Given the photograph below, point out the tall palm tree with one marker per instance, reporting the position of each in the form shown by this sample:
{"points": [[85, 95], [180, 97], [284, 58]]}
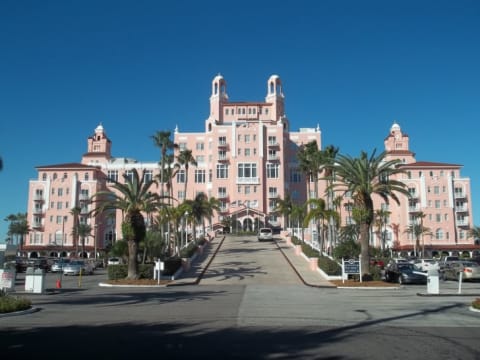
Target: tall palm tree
{"points": [[364, 177], [417, 230], [161, 139], [284, 207], [75, 212], [299, 211], [381, 221], [310, 160], [133, 198], [198, 210], [83, 231], [185, 159], [327, 160], [319, 212], [18, 227]]}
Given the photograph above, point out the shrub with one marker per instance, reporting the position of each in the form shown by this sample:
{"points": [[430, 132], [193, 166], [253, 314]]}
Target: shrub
{"points": [[9, 303], [171, 265], [296, 241], [189, 250], [309, 251], [476, 304], [329, 266]]}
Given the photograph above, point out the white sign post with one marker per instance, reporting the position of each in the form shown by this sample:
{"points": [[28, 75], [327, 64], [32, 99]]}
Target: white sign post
{"points": [[159, 265]]}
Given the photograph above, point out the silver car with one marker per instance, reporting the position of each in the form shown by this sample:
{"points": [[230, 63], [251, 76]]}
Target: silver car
{"points": [[470, 271], [265, 234], [77, 267], [58, 265]]}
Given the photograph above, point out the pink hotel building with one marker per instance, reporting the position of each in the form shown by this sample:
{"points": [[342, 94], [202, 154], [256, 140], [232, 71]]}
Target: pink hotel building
{"points": [[246, 158]]}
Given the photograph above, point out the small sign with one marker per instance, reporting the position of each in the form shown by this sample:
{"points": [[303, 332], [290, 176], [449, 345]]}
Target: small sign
{"points": [[6, 281], [351, 266]]}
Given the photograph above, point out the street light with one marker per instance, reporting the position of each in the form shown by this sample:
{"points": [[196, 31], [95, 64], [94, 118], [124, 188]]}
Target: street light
{"points": [[95, 239]]}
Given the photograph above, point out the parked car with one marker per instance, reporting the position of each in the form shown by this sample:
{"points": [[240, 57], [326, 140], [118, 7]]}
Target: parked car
{"points": [[265, 234], [470, 271], [77, 267], [39, 263], [405, 273], [114, 261], [58, 265], [425, 264]]}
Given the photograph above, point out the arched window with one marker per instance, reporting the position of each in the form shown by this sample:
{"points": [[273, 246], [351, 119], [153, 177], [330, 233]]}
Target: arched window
{"points": [[86, 177]]}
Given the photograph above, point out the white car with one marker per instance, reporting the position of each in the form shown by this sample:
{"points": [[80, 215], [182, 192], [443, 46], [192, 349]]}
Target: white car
{"points": [[77, 267], [114, 261], [425, 264], [265, 234]]}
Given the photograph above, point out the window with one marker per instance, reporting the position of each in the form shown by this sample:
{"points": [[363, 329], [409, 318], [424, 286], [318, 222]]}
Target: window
{"points": [[247, 152], [128, 176], [247, 138], [181, 195], [200, 159], [44, 177], [60, 191], [181, 176], [222, 192], [272, 192], [222, 171], [438, 217], [247, 190], [247, 170], [436, 190], [222, 140], [437, 204], [148, 175], [272, 154], [86, 177], [439, 234], [112, 175], [412, 191], [272, 140], [295, 176], [200, 146], [210, 175], [222, 155], [273, 171], [182, 146], [199, 176], [59, 205]]}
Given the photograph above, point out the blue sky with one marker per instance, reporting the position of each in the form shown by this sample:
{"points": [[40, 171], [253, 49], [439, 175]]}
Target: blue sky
{"points": [[353, 67]]}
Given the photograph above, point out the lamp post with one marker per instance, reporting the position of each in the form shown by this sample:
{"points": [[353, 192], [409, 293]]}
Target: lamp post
{"points": [[95, 239]]}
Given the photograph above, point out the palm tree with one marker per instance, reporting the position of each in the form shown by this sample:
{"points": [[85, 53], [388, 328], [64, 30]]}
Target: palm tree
{"points": [[185, 158], [363, 177], [327, 159], [18, 227], [298, 214], [381, 221], [309, 158], [417, 230], [284, 207], [133, 198], [83, 231], [475, 233], [161, 139], [198, 209], [75, 212], [319, 212]]}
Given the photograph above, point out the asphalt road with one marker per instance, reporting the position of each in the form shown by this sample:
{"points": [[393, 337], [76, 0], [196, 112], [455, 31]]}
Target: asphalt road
{"points": [[249, 305]]}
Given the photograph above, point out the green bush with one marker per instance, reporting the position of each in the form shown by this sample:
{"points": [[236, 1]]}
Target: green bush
{"points": [[296, 241], [189, 250], [329, 266], [309, 251], [115, 272], [9, 303]]}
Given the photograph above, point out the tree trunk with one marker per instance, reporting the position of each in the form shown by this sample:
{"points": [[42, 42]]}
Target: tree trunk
{"points": [[364, 243], [132, 260]]}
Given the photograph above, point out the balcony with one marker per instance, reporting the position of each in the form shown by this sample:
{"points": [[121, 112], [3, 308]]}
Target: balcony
{"points": [[461, 208], [460, 195], [84, 197], [272, 194], [273, 158], [38, 211], [273, 143], [248, 180], [222, 195], [222, 158], [38, 197], [414, 209], [37, 225], [222, 144], [463, 223]]}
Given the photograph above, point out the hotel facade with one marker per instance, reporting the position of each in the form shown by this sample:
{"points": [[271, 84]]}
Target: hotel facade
{"points": [[246, 157]]}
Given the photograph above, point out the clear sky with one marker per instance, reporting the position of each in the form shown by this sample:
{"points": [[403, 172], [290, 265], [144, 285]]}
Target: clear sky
{"points": [[352, 67]]}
